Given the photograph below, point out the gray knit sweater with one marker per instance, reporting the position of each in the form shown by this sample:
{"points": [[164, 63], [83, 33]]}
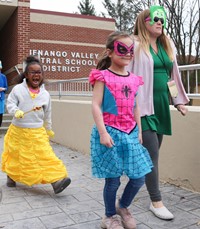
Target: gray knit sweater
{"points": [[20, 99]]}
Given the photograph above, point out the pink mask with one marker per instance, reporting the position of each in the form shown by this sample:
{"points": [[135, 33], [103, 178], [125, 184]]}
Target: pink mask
{"points": [[122, 50]]}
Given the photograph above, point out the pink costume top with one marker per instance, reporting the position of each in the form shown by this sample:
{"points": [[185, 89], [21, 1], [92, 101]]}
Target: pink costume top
{"points": [[119, 98]]}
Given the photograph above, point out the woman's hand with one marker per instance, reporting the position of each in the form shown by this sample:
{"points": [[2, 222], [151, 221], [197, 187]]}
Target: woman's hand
{"points": [[106, 140], [181, 108]]}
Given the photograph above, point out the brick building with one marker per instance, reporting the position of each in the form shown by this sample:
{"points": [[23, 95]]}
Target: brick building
{"points": [[68, 44]]}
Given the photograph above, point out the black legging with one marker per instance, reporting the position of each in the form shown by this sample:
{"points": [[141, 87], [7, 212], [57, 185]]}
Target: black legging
{"points": [[152, 141], [1, 118]]}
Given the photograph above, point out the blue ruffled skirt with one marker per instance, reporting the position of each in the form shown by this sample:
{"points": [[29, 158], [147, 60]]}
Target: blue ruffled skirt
{"points": [[127, 156]]}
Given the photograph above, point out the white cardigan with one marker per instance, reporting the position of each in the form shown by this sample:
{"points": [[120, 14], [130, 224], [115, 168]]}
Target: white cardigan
{"points": [[142, 65]]}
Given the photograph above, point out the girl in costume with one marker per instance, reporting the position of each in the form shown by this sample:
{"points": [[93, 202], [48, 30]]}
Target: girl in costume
{"points": [[28, 157], [116, 138], [155, 60]]}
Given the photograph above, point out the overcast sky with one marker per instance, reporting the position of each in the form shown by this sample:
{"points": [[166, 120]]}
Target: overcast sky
{"points": [[67, 6]]}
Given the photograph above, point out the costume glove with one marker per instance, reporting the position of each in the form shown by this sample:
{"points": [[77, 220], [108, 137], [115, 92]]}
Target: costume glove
{"points": [[19, 114], [50, 133]]}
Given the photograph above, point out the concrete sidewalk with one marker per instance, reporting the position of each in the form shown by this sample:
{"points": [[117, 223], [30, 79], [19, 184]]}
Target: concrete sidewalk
{"points": [[80, 206]]}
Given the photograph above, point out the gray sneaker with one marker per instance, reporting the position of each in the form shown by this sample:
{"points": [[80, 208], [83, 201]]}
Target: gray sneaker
{"points": [[127, 219], [60, 185], [10, 182], [112, 222]]}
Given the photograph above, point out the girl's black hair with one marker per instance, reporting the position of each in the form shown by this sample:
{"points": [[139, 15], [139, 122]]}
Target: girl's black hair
{"points": [[30, 60]]}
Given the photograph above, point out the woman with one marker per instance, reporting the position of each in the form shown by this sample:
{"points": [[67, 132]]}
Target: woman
{"points": [[155, 61], [3, 89]]}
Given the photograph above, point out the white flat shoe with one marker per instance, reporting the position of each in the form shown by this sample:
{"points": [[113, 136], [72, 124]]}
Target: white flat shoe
{"points": [[162, 213]]}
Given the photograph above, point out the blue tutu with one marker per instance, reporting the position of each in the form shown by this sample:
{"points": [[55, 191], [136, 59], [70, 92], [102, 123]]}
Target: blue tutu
{"points": [[126, 157]]}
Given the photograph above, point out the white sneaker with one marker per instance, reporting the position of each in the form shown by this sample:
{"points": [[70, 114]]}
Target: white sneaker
{"points": [[162, 213], [113, 222]]}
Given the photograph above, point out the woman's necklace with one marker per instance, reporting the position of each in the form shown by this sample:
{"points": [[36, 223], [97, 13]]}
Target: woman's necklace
{"points": [[155, 50], [161, 58]]}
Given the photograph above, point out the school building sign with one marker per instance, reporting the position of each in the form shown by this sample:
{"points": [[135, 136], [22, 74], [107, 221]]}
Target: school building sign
{"points": [[65, 61]]}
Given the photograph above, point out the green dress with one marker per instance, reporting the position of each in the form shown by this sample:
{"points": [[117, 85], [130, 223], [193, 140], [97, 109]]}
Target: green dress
{"points": [[161, 120]]}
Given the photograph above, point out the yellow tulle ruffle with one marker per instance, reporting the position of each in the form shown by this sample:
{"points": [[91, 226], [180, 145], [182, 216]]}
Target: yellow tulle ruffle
{"points": [[29, 158]]}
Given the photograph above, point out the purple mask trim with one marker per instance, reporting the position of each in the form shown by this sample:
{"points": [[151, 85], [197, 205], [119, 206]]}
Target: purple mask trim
{"points": [[122, 50]]}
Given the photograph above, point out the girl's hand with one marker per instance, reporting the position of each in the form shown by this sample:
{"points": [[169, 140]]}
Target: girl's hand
{"points": [[50, 133], [140, 138], [181, 108], [106, 140], [19, 114]]}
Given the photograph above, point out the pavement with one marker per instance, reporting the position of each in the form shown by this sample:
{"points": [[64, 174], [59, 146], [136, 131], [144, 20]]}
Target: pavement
{"points": [[80, 206]]}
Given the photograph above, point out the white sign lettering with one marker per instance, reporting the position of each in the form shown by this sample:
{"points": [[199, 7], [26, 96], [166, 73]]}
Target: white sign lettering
{"points": [[63, 61]]}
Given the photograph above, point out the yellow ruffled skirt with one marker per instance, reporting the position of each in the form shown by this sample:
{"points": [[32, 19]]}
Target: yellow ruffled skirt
{"points": [[29, 158]]}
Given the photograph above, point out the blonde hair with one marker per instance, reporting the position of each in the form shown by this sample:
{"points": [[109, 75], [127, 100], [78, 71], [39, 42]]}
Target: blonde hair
{"points": [[105, 61], [142, 35]]}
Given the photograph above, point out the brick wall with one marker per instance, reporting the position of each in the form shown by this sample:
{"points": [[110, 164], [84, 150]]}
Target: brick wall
{"points": [[23, 30], [46, 31]]}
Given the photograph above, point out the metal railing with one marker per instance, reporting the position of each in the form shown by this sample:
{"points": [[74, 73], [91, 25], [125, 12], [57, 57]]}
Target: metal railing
{"points": [[190, 75], [71, 87]]}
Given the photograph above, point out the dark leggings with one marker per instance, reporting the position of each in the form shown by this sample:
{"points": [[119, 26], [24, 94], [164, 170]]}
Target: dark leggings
{"points": [[152, 141], [1, 117]]}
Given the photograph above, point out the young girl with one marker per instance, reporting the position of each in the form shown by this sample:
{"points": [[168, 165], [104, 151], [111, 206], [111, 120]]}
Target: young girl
{"points": [[28, 157], [116, 138]]}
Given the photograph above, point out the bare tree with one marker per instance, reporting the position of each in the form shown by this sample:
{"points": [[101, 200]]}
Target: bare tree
{"points": [[124, 12], [184, 28]]}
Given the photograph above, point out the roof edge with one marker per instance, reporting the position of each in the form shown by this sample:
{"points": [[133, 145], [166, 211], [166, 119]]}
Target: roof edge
{"points": [[71, 15]]}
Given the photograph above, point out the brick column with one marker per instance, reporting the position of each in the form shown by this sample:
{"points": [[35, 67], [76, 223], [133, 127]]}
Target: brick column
{"points": [[23, 35]]}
